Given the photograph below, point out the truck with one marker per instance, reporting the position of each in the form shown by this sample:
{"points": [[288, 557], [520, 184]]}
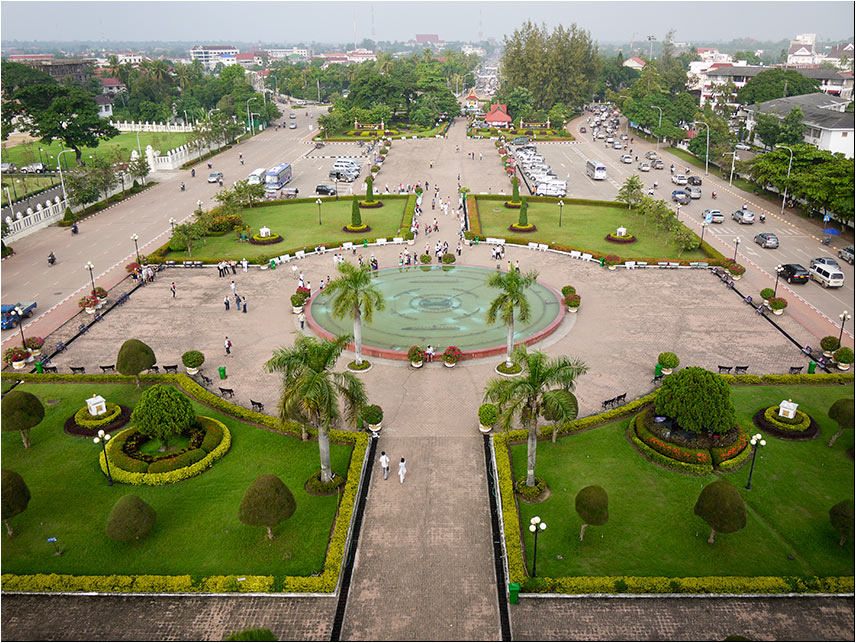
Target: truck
{"points": [[10, 316]]}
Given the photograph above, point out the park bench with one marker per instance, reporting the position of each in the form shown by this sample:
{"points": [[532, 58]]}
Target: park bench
{"points": [[170, 369], [206, 381], [657, 379], [110, 368], [398, 239], [641, 264], [227, 391], [533, 245], [740, 370], [257, 406], [300, 254], [543, 247], [724, 369], [49, 369], [154, 369], [60, 347], [607, 404], [629, 264], [576, 254], [78, 370], [586, 257], [621, 399], [381, 242], [285, 258], [82, 328], [795, 370], [123, 299], [96, 318]]}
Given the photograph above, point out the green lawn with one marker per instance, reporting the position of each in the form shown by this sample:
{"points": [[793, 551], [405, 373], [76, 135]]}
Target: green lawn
{"points": [[652, 530], [197, 530], [26, 184], [584, 227], [27, 153], [297, 223]]}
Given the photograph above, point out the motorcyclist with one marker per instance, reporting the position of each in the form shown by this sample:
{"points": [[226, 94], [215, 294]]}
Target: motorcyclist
{"points": [[763, 217], [193, 173], [51, 259], [713, 194], [182, 186], [74, 229]]}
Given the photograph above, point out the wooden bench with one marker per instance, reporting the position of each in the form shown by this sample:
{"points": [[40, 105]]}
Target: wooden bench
{"points": [[60, 347], [78, 370], [123, 299], [170, 369], [206, 381], [110, 368], [795, 370], [154, 369], [49, 369], [82, 328], [724, 369], [657, 379], [607, 403], [740, 370], [257, 406], [227, 391], [621, 399]]}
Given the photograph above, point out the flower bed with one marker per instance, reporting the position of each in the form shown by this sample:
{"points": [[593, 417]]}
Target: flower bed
{"points": [[371, 204], [530, 494], [802, 428], [84, 425], [258, 240], [356, 229], [525, 229], [614, 238]]}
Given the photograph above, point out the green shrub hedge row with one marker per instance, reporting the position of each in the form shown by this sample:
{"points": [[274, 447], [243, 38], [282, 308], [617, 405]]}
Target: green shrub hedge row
{"points": [[800, 423], [82, 417], [140, 583], [732, 451], [668, 450]]}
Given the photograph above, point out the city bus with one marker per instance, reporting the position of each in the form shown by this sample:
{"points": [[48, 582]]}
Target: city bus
{"points": [[277, 177], [257, 176], [596, 170]]}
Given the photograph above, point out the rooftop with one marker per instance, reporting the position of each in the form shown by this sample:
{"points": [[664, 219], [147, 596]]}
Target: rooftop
{"points": [[819, 110]]}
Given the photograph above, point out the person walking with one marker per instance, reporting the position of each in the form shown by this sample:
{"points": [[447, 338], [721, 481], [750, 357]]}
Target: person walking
{"points": [[237, 302], [172, 289], [234, 265], [244, 264], [384, 464], [244, 302], [302, 319], [226, 302], [402, 470], [228, 345], [294, 271], [234, 287]]}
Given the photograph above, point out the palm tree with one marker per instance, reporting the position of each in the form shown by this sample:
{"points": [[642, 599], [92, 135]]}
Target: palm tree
{"points": [[113, 65], [545, 387], [312, 391], [513, 286], [354, 293]]}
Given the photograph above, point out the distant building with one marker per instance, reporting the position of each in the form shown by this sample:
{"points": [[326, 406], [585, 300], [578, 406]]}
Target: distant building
{"points": [[360, 55], [498, 116], [478, 51], [472, 101], [831, 81], [111, 86], [423, 40], [801, 52], [105, 106], [634, 63], [296, 53], [712, 55], [210, 55], [60, 69], [828, 126], [840, 55], [251, 59], [125, 57]]}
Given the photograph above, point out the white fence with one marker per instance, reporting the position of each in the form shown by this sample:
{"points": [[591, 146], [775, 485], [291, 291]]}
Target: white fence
{"points": [[173, 159], [128, 126]]}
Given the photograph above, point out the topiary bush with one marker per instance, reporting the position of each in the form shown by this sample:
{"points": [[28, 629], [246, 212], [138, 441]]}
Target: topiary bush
{"points": [[767, 294], [266, 503], [721, 506], [163, 412], [356, 217], [135, 357], [130, 519], [841, 517], [668, 360], [94, 422], [21, 411], [425, 258], [15, 497], [830, 344], [488, 414], [844, 355], [698, 400], [842, 412], [258, 634], [192, 359], [448, 258], [592, 505]]}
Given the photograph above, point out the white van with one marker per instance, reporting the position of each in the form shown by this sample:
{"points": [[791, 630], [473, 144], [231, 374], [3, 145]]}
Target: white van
{"points": [[826, 276], [257, 176]]}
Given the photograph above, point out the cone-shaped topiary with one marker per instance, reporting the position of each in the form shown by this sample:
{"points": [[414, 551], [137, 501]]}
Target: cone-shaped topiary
{"points": [[16, 497], [135, 357], [721, 506], [369, 190], [841, 517], [163, 412], [842, 412], [523, 220], [700, 401], [515, 190], [21, 412], [592, 505], [266, 503], [356, 219], [130, 519]]}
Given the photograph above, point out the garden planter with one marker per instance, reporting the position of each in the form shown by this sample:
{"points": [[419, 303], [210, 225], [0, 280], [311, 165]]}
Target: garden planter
{"points": [[410, 242], [297, 309], [735, 277], [842, 366], [828, 354], [484, 429], [666, 371], [612, 267], [375, 428], [35, 352], [573, 309], [449, 364], [101, 302], [416, 364], [19, 365], [191, 371], [778, 311], [89, 311]]}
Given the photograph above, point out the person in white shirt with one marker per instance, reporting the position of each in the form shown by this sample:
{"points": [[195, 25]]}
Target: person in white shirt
{"points": [[402, 470], [384, 464]]}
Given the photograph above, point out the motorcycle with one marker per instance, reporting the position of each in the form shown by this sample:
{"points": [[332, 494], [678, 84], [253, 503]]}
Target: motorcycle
{"points": [[713, 195], [74, 228], [762, 217], [182, 186], [51, 259]]}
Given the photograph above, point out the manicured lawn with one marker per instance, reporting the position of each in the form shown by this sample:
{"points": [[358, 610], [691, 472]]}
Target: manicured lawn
{"points": [[652, 530], [26, 184], [197, 530], [297, 223], [584, 227], [27, 153]]}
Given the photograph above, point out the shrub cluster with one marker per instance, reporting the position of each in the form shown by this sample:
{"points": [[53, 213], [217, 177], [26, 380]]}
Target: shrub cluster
{"points": [[800, 422], [673, 451], [95, 422], [258, 240], [527, 492], [226, 222]]}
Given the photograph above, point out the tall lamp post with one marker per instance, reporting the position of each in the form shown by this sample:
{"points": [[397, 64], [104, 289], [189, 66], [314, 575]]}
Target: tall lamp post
{"points": [[843, 317], [134, 238], [659, 124], [102, 439], [318, 203], [249, 118], [778, 274], [19, 314], [707, 148], [536, 525], [703, 226], [733, 155], [736, 243], [254, 123], [787, 180], [756, 442], [561, 205], [90, 268], [59, 167]]}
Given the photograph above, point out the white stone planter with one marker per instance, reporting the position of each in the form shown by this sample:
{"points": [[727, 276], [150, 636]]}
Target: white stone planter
{"points": [[828, 354], [843, 367], [191, 371], [297, 309], [484, 429], [735, 277], [19, 365], [416, 364], [89, 311], [375, 428], [778, 311], [449, 364], [612, 267], [35, 352], [410, 242], [573, 309], [666, 371]]}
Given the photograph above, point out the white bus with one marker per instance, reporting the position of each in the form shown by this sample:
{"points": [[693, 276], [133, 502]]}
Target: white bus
{"points": [[257, 176], [596, 170], [277, 177]]}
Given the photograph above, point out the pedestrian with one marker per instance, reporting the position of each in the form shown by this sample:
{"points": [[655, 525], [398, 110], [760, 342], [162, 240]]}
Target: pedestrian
{"points": [[402, 470], [233, 265], [244, 264], [517, 266], [384, 464], [226, 302], [172, 288], [302, 319], [480, 156], [294, 271], [233, 286], [429, 353], [244, 302], [237, 302], [228, 345]]}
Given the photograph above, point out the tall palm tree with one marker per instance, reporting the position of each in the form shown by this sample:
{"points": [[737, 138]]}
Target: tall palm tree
{"points": [[113, 65], [545, 388], [355, 295], [513, 286], [312, 392]]}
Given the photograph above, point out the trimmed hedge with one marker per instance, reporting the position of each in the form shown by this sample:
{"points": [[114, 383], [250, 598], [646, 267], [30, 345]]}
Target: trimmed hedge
{"points": [[691, 585], [83, 419], [801, 421], [678, 459]]}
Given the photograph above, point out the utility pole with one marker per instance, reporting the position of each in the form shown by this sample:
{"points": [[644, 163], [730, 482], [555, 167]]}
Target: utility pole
{"points": [[651, 40]]}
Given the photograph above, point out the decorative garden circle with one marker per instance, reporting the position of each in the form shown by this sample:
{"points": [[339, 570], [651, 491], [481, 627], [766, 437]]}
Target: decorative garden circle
{"points": [[360, 230], [530, 228], [805, 429], [314, 486], [115, 421], [616, 239], [257, 240], [532, 495]]}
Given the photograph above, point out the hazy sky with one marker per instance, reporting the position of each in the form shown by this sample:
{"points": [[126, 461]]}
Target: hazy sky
{"points": [[215, 22]]}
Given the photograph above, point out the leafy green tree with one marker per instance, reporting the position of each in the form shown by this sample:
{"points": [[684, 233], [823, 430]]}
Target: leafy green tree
{"points": [[163, 412], [16, 497], [841, 517], [266, 503], [21, 411], [354, 294], [135, 357], [130, 519], [685, 239], [248, 195], [775, 83], [792, 128], [749, 56], [631, 191], [545, 386], [698, 400], [721, 506], [312, 392], [512, 286], [369, 190], [767, 129], [186, 235], [80, 187], [139, 168], [592, 505], [102, 175], [842, 412]]}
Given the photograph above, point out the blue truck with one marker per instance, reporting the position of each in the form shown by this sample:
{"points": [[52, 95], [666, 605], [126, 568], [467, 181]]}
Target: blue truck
{"points": [[10, 314]]}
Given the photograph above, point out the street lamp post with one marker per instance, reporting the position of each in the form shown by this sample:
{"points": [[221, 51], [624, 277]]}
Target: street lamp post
{"points": [[659, 124], [249, 118], [134, 238], [778, 274], [318, 203], [707, 148], [103, 438], [736, 243], [843, 317], [59, 167], [756, 442], [19, 313], [732, 154], [790, 162], [40, 156], [90, 268], [703, 226], [536, 525], [254, 123], [561, 205]]}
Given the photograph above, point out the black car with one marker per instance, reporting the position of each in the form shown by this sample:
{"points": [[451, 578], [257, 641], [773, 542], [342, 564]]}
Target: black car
{"points": [[794, 273], [328, 190], [694, 180]]}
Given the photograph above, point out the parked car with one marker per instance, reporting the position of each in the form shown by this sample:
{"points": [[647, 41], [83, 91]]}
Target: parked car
{"points": [[658, 164], [651, 155], [327, 190], [34, 168], [743, 216], [823, 261], [643, 166], [694, 180], [743, 146], [767, 240], [715, 216], [679, 179], [681, 197], [794, 273], [601, 135], [846, 254], [215, 177], [8, 167], [626, 158], [520, 140]]}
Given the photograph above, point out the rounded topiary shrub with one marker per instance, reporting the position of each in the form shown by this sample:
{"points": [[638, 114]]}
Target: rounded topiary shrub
{"points": [[721, 506], [135, 357], [266, 503], [830, 344], [698, 400], [21, 411], [130, 519], [258, 240], [163, 412], [192, 359], [592, 505], [15, 496], [668, 360], [488, 414]]}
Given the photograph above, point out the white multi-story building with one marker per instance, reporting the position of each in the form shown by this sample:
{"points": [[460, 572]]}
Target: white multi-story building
{"points": [[360, 55], [210, 55], [712, 55], [831, 81], [289, 52]]}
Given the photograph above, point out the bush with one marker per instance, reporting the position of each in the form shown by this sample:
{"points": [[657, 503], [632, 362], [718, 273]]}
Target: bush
{"points": [[572, 300], [225, 223], [778, 303], [568, 290], [721, 506], [88, 301], [192, 359], [15, 354], [180, 460], [800, 422], [452, 355], [448, 258], [372, 414], [135, 357], [416, 354], [258, 634], [163, 412], [258, 240], [844, 355], [698, 400], [298, 299], [95, 422], [21, 411], [841, 517], [488, 414], [131, 519], [99, 292], [34, 343], [530, 493], [266, 503], [213, 437], [668, 360], [425, 258], [612, 260], [736, 269], [15, 496], [592, 505], [671, 451], [830, 343], [767, 294]]}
